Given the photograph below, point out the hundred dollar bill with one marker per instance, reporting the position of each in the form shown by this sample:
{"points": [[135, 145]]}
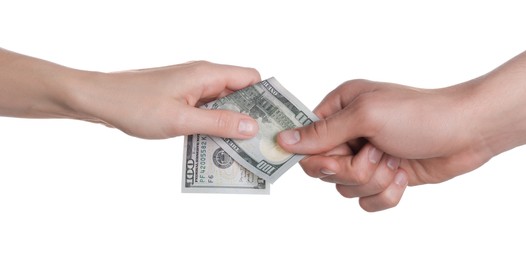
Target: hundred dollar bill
{"points": [[207, 168], [275, 109]]}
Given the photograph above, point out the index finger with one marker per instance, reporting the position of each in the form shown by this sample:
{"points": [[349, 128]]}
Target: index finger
{"points": [[342, 96], [218, 77]]}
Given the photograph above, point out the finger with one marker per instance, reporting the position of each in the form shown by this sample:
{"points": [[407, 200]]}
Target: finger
{"points": [[313, 165], [342, 149], [388, 198], [221, 123], [318, 137], [323, 135], [219, 77], [370, 169], [347, 113], [213, 75], [343, 95], [318, 166], [382, 177]]}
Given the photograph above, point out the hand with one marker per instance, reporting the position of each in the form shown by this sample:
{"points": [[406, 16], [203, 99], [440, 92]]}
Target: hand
{"points": [[437, 133], [161, 102], [434, 131], [148, 103]]}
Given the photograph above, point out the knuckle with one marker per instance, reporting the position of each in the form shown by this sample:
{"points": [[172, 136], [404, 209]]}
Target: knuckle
{"points": [[343, 190], [381, 183], [366, 110], [360, 177], [390, 200], [355, 174], [200, 63], [224, 121], [320, 128], [391, 204], [353, 83], [363, 107], [199, 67], [255, 72], [385, 200]]}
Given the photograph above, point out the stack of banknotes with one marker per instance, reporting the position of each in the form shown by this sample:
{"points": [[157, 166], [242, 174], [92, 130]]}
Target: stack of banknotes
{"points": [[223, 165]]}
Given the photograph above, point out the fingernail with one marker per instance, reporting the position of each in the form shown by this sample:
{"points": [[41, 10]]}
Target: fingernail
{"points": [[393, 163], [400, 179], [246, 127], [375, 155], [290, 136], [327, 172]]}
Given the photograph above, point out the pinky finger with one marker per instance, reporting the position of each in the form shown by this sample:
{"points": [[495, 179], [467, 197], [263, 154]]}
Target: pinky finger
{"points": [[388, 198]]}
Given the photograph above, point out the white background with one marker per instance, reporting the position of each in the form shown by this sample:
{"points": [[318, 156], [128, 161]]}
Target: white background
{"points": [[75, 190]]}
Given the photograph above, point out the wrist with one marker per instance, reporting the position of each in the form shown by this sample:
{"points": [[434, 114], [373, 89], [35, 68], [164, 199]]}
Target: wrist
{"points": [[499, 118], [83, 95]]}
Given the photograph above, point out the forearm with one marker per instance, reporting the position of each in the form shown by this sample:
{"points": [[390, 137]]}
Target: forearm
{"points": [[498, 105], [34, 88]]}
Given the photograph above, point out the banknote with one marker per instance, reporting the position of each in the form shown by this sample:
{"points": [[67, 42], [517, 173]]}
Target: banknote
{"points": [[275, 109], [207, 168]]}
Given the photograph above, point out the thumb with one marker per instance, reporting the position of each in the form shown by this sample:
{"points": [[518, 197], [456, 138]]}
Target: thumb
{"points": [[222, 123], [320, 136]]}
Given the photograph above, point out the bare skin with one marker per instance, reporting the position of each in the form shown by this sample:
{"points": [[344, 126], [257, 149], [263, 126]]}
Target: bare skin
{"points": [[149, 103], [376, 138]]}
